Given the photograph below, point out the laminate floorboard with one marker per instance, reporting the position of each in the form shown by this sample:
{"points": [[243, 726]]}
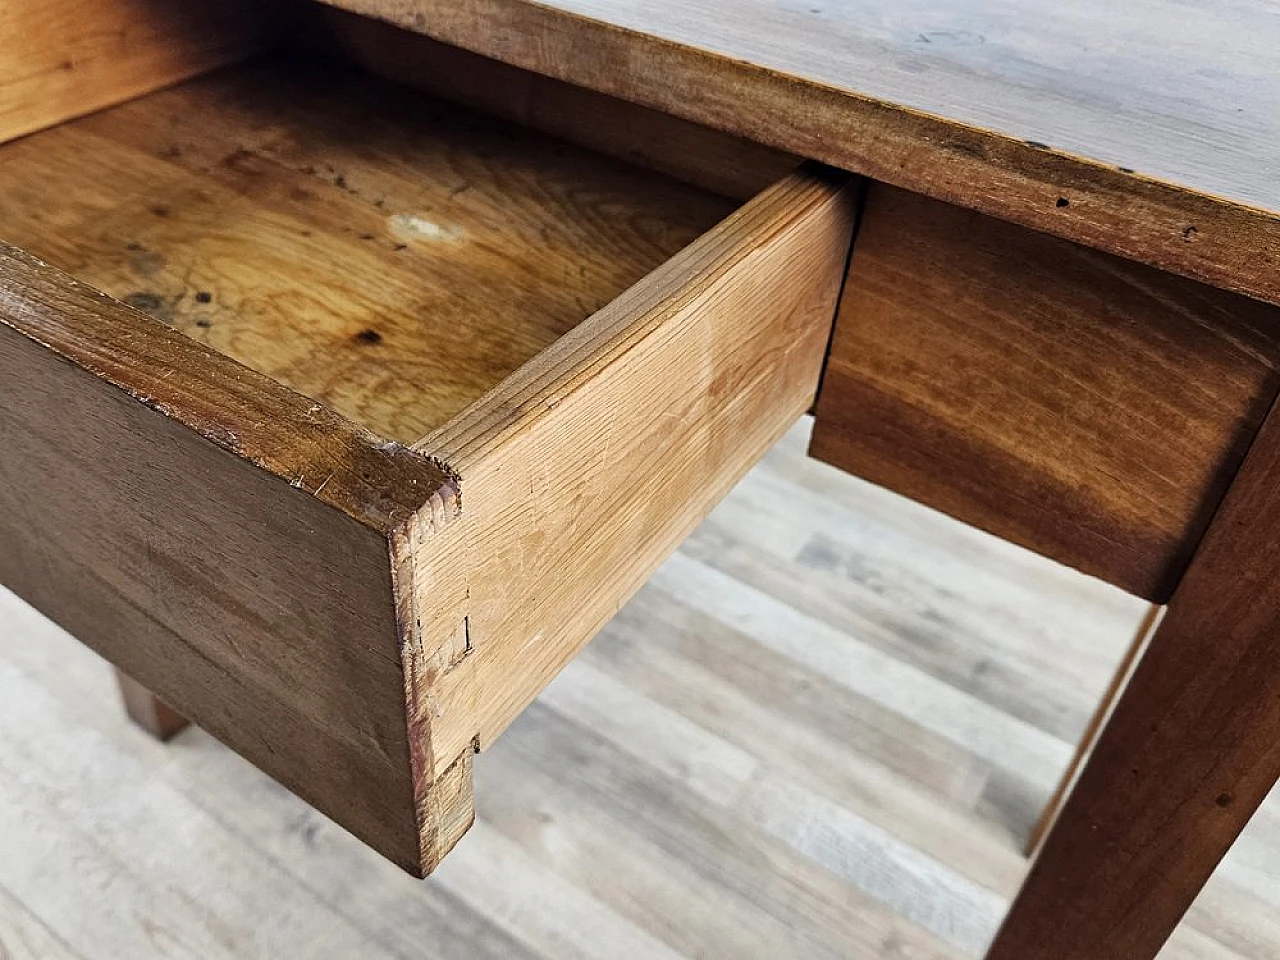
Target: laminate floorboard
{"points": [[822, 730]]}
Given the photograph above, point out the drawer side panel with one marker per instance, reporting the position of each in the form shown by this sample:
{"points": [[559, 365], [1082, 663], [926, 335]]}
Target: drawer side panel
{"points": [[580, 475]]}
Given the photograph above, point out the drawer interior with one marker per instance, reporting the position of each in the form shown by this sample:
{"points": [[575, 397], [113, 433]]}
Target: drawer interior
{"points": [[387, 253]]}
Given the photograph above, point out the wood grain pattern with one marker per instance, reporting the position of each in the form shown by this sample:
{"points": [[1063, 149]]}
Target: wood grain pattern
{"points": [[580, 473], [220, 538], [147, 710], [1089, 408], [690, 152], [387, 254], [65, 58], [1001, 112], [1189, 753]]}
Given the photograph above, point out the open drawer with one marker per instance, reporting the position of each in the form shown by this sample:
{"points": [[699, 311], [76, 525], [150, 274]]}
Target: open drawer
{"points": [[383, 409]]}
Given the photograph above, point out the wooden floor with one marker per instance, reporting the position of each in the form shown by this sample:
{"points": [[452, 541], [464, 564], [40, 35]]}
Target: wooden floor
{"points": [[822, 730]]}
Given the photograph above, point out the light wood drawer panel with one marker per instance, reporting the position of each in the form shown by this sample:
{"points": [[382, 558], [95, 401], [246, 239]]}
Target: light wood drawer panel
{"points": [[421, 400], [1081, 405]]}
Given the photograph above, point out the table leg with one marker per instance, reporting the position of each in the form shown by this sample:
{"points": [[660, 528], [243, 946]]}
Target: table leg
{"points": [[1191, 750], [1049, 815], [147, 710]]}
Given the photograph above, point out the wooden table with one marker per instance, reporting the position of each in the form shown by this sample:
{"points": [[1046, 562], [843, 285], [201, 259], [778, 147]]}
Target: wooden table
{"points": [[1058, 322]]}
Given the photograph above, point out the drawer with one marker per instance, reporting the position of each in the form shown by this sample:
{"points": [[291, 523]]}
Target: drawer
{"points": [[342, 416], [1084, 406]]}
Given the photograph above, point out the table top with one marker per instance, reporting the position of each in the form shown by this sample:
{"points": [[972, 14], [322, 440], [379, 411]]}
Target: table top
{"points": [[1150, 128]]}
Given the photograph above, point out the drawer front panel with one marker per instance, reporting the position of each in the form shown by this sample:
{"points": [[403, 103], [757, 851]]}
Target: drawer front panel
{"points": [[220, 538], [1081, 405]]}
